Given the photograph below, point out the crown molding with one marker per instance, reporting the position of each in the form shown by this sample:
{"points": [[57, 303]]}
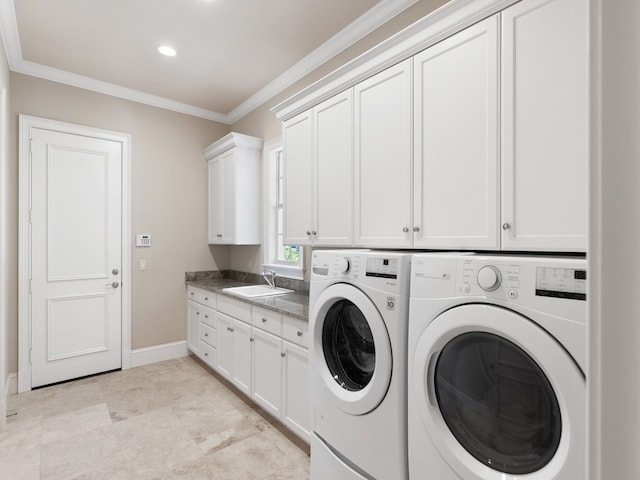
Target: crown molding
{"points": [[375, 17], [367, 23], [447, 20]]}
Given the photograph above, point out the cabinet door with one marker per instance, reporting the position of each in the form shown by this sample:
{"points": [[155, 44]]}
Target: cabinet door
{"points": [[545, 120], [241, 371], [298, 179], [296, 409], [215, 200], [193, 326], [227, 199], [383, 198], [224, 346], [456, 141], [333, 122], [267, 384]]}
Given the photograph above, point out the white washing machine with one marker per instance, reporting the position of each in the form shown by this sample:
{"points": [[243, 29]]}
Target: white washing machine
{"points": [[497, 358], [359, 303]]}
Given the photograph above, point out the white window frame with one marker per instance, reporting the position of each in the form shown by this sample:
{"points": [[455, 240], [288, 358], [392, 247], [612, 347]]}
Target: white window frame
{"points": [[271, 262]]}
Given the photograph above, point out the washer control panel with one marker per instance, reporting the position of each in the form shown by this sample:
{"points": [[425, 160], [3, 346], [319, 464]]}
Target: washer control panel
{"points": [[360, 266]]}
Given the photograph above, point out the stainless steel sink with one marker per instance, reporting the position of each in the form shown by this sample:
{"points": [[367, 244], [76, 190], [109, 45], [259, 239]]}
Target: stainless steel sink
{"points": [[252, 291]]}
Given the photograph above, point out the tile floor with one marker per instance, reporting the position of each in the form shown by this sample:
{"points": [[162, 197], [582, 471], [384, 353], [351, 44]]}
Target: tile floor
{"points": [[169, 420]]}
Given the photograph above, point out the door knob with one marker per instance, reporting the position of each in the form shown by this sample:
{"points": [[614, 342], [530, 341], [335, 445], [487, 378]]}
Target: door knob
{"points": [[115, 271], [114, 284]]}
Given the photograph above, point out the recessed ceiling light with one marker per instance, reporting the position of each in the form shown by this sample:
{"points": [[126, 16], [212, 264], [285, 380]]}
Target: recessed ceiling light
{"points": [[167, 50]]}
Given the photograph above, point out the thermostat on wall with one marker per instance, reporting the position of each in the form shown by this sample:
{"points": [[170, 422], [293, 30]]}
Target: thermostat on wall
{"points": [[143, 240]]}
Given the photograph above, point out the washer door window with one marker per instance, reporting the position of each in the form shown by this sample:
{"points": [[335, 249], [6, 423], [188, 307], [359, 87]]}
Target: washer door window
{"points": [[498, 396], [351, 349], [498, 403], [347, 343]]}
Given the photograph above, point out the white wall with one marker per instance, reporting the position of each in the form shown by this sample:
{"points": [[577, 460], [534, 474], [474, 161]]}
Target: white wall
{"points": [[614, 252]]}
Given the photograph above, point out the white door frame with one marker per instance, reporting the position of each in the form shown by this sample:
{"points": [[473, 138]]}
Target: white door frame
{"points": [[27, 123]]}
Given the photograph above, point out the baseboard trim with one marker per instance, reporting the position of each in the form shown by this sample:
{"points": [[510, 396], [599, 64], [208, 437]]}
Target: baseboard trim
{"points": [[10, 386], [158, 353]]}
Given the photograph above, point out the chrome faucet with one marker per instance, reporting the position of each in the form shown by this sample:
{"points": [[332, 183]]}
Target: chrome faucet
{"points": [[269, 277]]}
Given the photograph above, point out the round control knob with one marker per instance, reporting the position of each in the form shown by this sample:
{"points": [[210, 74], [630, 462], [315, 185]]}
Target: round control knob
{"points": [[489, 278], [344, 264]]}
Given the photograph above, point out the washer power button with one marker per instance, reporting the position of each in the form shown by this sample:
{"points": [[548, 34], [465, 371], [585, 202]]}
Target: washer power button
{"points": [[512, 294]]}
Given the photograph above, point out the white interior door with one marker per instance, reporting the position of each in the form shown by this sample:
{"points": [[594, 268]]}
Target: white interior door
{"points": [[76, 255]]}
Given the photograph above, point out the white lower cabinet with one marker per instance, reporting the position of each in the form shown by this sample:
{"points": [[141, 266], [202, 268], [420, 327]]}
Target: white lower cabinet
{"points": [[267, 379], [234, 352], [263, 353]]}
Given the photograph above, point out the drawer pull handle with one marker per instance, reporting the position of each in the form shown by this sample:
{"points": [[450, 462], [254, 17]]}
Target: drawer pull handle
{"points": [[197, 313], [191, 293], [206, 354], [299, 333], [264, 320], [206, 334], [206, 299], [282, 354]]}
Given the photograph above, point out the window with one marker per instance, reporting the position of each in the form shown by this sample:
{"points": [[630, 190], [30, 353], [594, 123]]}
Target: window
{"points": [[286, 260]]}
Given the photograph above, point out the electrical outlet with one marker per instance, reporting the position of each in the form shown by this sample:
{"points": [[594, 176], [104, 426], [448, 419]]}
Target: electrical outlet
{"points": [[142, 264]]}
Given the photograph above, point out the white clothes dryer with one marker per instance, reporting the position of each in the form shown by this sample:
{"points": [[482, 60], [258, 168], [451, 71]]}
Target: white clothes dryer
{"points": [[359, 304], [497, 355]]}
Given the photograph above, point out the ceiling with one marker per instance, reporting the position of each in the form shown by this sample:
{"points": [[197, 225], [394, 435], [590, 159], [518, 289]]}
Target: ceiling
{"points": [[232, 55]]}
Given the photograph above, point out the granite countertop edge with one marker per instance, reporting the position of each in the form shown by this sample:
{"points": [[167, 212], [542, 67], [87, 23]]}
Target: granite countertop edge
{"points": [[292, 304]]}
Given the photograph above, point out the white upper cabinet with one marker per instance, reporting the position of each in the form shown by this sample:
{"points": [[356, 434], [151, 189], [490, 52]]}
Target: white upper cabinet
{"points": [[456, 141], [383, 199], [234, 189], [333, 122], [545, 125], [298, 179], [475, 138], [318, 166]]}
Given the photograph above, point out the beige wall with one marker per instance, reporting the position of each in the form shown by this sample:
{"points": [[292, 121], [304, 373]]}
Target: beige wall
{"points": [[262, 123], [168, 185], [169, 198]]}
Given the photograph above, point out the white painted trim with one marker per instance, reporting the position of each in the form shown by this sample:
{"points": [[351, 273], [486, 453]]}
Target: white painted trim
{"points": [[159, 353], [433, 28], [229, 141], [26, 123], [384, 11], [11, 386]]}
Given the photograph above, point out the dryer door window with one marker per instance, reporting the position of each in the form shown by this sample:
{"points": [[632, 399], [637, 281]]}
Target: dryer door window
{"points": [[498, 403], [347, 343]]}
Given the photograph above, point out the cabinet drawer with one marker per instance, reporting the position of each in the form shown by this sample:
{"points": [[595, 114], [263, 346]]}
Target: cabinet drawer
{"points": [[295, 330], [208, 354], [208, 316], [208, 334], [199, 295], [234, 308], [267, 320]]}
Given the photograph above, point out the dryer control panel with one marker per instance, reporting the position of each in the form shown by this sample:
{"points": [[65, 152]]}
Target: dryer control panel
{"points": [[508, 279]]}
